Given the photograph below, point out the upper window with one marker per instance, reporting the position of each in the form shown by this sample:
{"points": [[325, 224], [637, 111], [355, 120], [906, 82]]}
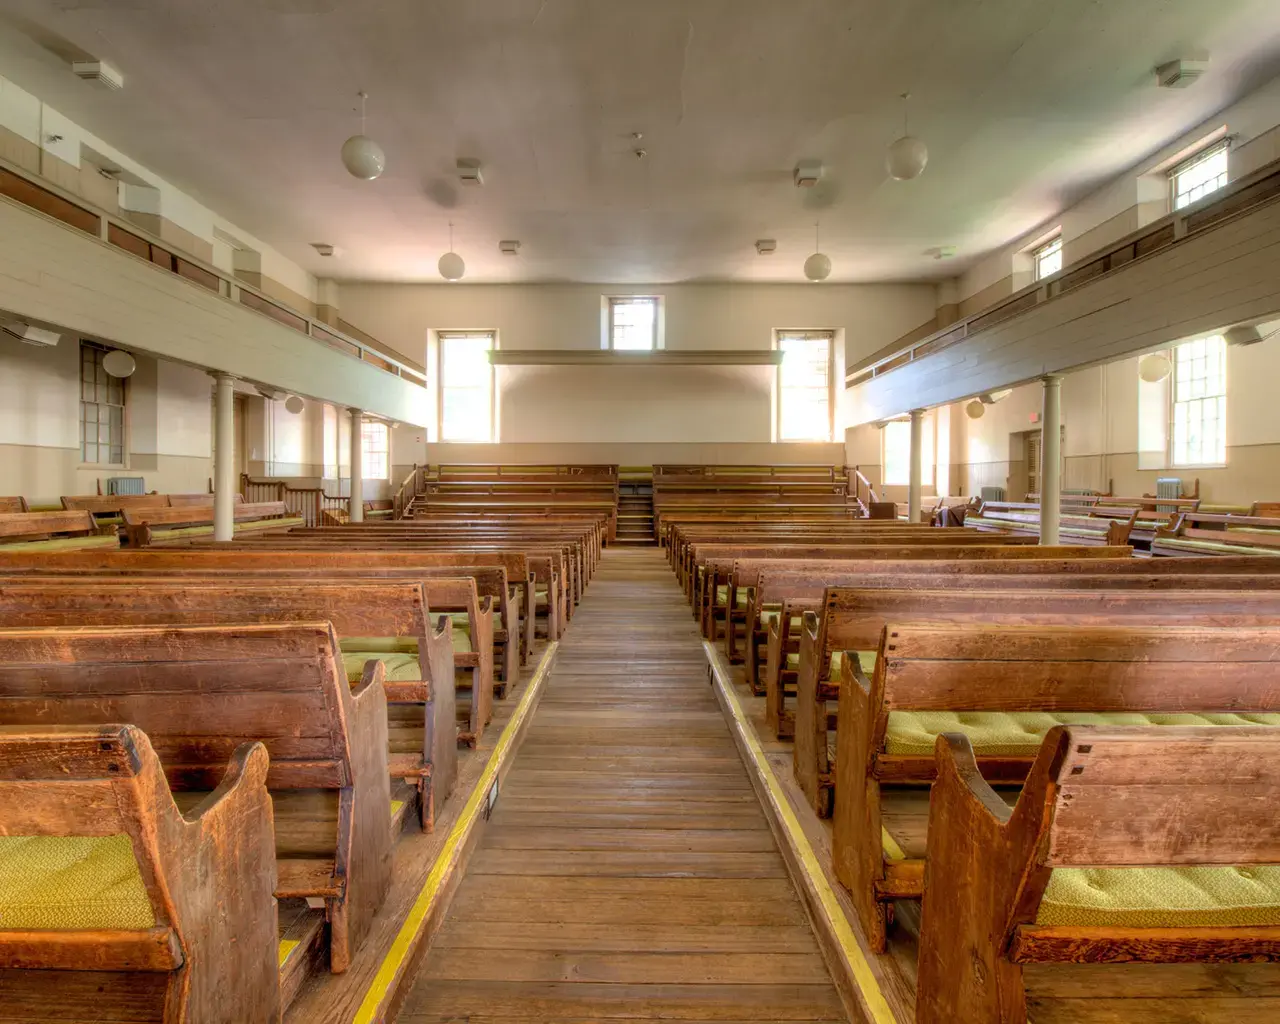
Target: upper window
{"points": [[1048, 258], [466, 386], [101, 410], [633, 323], [375, 450], [1204, 173], [804, 386], [1200, 403]]}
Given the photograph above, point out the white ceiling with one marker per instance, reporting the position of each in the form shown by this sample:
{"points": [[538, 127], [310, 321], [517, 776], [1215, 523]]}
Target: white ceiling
{"points": [[1026, 106]]}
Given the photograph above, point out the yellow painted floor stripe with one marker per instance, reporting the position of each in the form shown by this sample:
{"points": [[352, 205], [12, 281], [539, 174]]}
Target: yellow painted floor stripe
{"points": [[862, 973], [450, 852], [287, 946]]}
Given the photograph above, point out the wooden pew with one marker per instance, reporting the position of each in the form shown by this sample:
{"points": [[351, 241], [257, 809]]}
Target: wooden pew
{"points": [[1023, 520], [972, 678], [154, 524], [261, 556], [46, 531], [199, 692], [10, 505], [423, 746], [1004, 885], [1206, 534], [190, 935], [782, 596]]}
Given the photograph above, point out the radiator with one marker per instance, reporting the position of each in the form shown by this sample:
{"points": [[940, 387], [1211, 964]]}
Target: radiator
{"points": [[125, 485], [1168, 487], [991, 494]]}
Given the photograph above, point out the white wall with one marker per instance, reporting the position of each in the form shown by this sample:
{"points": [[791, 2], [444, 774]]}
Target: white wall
{"points": [[642, 412], [168, 424]]}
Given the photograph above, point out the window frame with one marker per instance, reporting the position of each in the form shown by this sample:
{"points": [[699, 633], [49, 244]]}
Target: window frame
{"points": [[1053, 245], [441, 338], [1221, 147], [100, 352], [613, 301], [807, 333], [385, 429], [1174, 402]]}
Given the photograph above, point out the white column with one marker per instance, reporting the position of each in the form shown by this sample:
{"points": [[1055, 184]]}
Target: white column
{"points": [[224, 457], [917, 470], [1051, 460], [356, 506]]}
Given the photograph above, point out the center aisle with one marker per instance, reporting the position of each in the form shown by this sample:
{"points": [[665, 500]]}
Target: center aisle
{"points": [[628, 870]]}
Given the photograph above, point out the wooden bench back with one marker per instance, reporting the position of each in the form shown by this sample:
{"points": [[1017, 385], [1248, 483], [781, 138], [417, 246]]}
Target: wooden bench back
{"points": [[198, 692], [1012, 564], [853, 618], [1147, 668], [198, 515], [12, 504], [16, 525], [897, 550], [114, 504]]}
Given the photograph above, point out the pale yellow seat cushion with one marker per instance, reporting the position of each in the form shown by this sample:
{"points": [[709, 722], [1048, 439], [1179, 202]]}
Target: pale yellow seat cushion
{"points": [[1162, 897], [399, 654], [462, 630], [867, 659], [1019, 733], [1214, 547], [71, 883]]}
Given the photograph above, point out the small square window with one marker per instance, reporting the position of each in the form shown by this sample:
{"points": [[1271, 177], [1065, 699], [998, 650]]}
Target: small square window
{"points": [[633, 323], [1048, 259], [1204, 173]]}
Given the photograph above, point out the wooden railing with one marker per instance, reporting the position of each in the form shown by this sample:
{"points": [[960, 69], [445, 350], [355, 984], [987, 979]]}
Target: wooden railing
{"points": [[413, 485], [308, 502], [44, 197], [1232, 200], [857, 484]]}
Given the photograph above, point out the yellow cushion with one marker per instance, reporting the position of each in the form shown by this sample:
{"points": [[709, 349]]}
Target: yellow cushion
{"points": [[1192, 897], [63, 543], [380, 644], [867, 659], [71, 883], [1192, 544], [1019, 733], [401, 668]]}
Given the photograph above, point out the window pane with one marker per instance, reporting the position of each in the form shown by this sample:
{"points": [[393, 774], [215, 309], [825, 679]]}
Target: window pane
{"points": [[804, 393], [375, 460], [897, 452], [1200, 404], [1048, 259], [1200, 179], [633, 324], [466, 387]]}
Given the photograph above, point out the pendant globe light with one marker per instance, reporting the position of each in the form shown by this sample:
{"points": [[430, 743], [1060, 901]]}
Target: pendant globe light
{"points": [[451, 266], [818, 266], [908, 155], [362, 157], [1152, 368], [119, 363]]}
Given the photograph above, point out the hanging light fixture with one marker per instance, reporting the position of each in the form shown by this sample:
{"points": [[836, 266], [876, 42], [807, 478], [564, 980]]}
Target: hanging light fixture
{"points": [[451, 266], [908, 155], [975, 410], [818, 266], [1154, 367], [361, 156]]}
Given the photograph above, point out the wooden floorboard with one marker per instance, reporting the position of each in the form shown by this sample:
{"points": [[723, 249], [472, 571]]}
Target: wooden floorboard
{"points": [[627, 870]]}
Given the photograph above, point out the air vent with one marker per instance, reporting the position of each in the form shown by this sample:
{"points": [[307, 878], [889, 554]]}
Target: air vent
{"points": [[1178, 74], [99, 73]]}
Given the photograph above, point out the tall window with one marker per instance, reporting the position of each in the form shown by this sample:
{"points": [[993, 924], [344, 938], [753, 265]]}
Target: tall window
{"points": [[633, 323], [1204, 173], [1048, 258], [466, 386], [1200, 403], [375, 450], [896, 440], [101, 410], [804, 386]]}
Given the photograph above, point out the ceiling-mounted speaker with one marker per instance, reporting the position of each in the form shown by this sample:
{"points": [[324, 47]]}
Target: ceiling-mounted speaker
{"points": [[1178, 74], [29, 334], [99, 73], [1247, 334]]}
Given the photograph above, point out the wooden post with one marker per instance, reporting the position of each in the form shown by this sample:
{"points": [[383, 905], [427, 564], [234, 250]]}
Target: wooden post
{"points": [[224, 458], [356, 506], [917, 470], [1051, 460]]}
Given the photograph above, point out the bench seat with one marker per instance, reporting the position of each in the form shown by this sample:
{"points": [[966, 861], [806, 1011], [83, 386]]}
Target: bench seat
{"points": [[1162, 897], [1210, 547], [72, 883], [1020, 733]]}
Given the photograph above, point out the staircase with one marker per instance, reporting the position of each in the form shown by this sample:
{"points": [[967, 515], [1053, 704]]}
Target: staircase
{"points": [[635, 508]]}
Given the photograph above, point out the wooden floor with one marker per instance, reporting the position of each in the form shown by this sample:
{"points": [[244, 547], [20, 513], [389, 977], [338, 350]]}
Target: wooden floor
{"points": [[628, 870]]}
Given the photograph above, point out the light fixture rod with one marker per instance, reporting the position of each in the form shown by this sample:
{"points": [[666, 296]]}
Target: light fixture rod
{"points": [[906, 126], [364, 96]]}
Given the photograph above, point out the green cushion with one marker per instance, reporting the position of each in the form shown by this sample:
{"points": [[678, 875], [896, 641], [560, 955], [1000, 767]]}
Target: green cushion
{"points": [[399, 655], [771, 615], [722, 595], [867, 659], [71, 883], [1216, 547], [381, 644], [1191, 897], [64, 543], [1019, 733]]}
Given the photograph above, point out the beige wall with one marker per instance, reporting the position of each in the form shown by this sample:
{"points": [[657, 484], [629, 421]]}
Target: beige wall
{"points": [[1100, 437], [636, 415], [168, 425]]}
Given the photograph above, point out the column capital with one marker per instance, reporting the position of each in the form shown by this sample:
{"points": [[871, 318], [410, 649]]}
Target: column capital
{"points": [[1051, 379], [223, 375], [918, 412]]}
